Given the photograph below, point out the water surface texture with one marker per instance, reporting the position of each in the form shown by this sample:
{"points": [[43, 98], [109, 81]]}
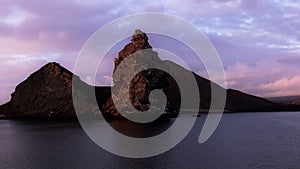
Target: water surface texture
{"points": [[248, 140]]}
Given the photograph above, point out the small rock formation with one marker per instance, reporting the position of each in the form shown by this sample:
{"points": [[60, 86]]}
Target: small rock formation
{"points": [[138, 54]]}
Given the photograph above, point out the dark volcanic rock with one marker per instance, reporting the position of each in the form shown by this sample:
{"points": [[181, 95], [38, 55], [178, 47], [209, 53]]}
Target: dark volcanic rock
{"points": [[236, 101], [139, 54], [46, 93]]}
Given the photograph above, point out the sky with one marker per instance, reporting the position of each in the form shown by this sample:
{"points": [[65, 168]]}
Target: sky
{"points": [[258, 41]]}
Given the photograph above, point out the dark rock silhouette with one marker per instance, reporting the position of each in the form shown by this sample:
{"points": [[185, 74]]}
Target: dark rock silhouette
{"points": [[139, 54], [48, 91], [236, 101]]}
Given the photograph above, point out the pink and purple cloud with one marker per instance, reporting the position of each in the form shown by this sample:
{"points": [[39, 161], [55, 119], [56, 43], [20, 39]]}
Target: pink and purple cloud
{"points": [[258, 41]]}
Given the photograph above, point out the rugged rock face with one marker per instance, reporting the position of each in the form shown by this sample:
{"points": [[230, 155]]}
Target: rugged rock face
{"points": [[139, 41], [47, 92], [139, 55], [139, 52]]}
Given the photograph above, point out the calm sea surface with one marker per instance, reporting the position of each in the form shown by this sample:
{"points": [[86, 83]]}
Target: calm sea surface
{"points": [[242, 141]]}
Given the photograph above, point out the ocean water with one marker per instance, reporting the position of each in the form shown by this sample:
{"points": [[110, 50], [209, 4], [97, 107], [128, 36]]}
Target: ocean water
{"points": [[241, 141]]}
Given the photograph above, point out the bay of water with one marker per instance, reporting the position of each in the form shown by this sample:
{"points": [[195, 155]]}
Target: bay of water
{"points": [[241, 141]]}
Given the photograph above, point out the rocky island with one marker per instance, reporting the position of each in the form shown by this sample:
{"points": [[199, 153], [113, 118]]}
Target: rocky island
{"points": [[48, 91]]}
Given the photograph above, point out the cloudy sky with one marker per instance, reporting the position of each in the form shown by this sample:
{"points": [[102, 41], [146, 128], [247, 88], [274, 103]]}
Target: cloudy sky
{"points": [[258, 41]]}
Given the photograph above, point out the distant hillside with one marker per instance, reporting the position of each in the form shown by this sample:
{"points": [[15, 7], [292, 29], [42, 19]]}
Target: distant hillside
{"points": [[286, 99], [236, 101]]}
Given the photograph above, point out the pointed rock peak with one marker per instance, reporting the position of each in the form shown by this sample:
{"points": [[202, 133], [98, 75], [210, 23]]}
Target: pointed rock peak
{"points": [[52, 65], [138, 31], [139, 40], [55, 69]]}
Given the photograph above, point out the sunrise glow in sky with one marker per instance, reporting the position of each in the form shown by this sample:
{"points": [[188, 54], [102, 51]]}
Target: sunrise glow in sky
{"points": [[258, 40]]}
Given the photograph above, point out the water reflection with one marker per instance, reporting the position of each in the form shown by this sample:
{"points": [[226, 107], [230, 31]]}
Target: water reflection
{"points": [[142, 130]]}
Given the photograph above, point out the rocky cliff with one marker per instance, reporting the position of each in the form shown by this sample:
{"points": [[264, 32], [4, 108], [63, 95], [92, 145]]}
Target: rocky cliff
{"points": [[48, 93], [140, 56], [139, 50]]}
